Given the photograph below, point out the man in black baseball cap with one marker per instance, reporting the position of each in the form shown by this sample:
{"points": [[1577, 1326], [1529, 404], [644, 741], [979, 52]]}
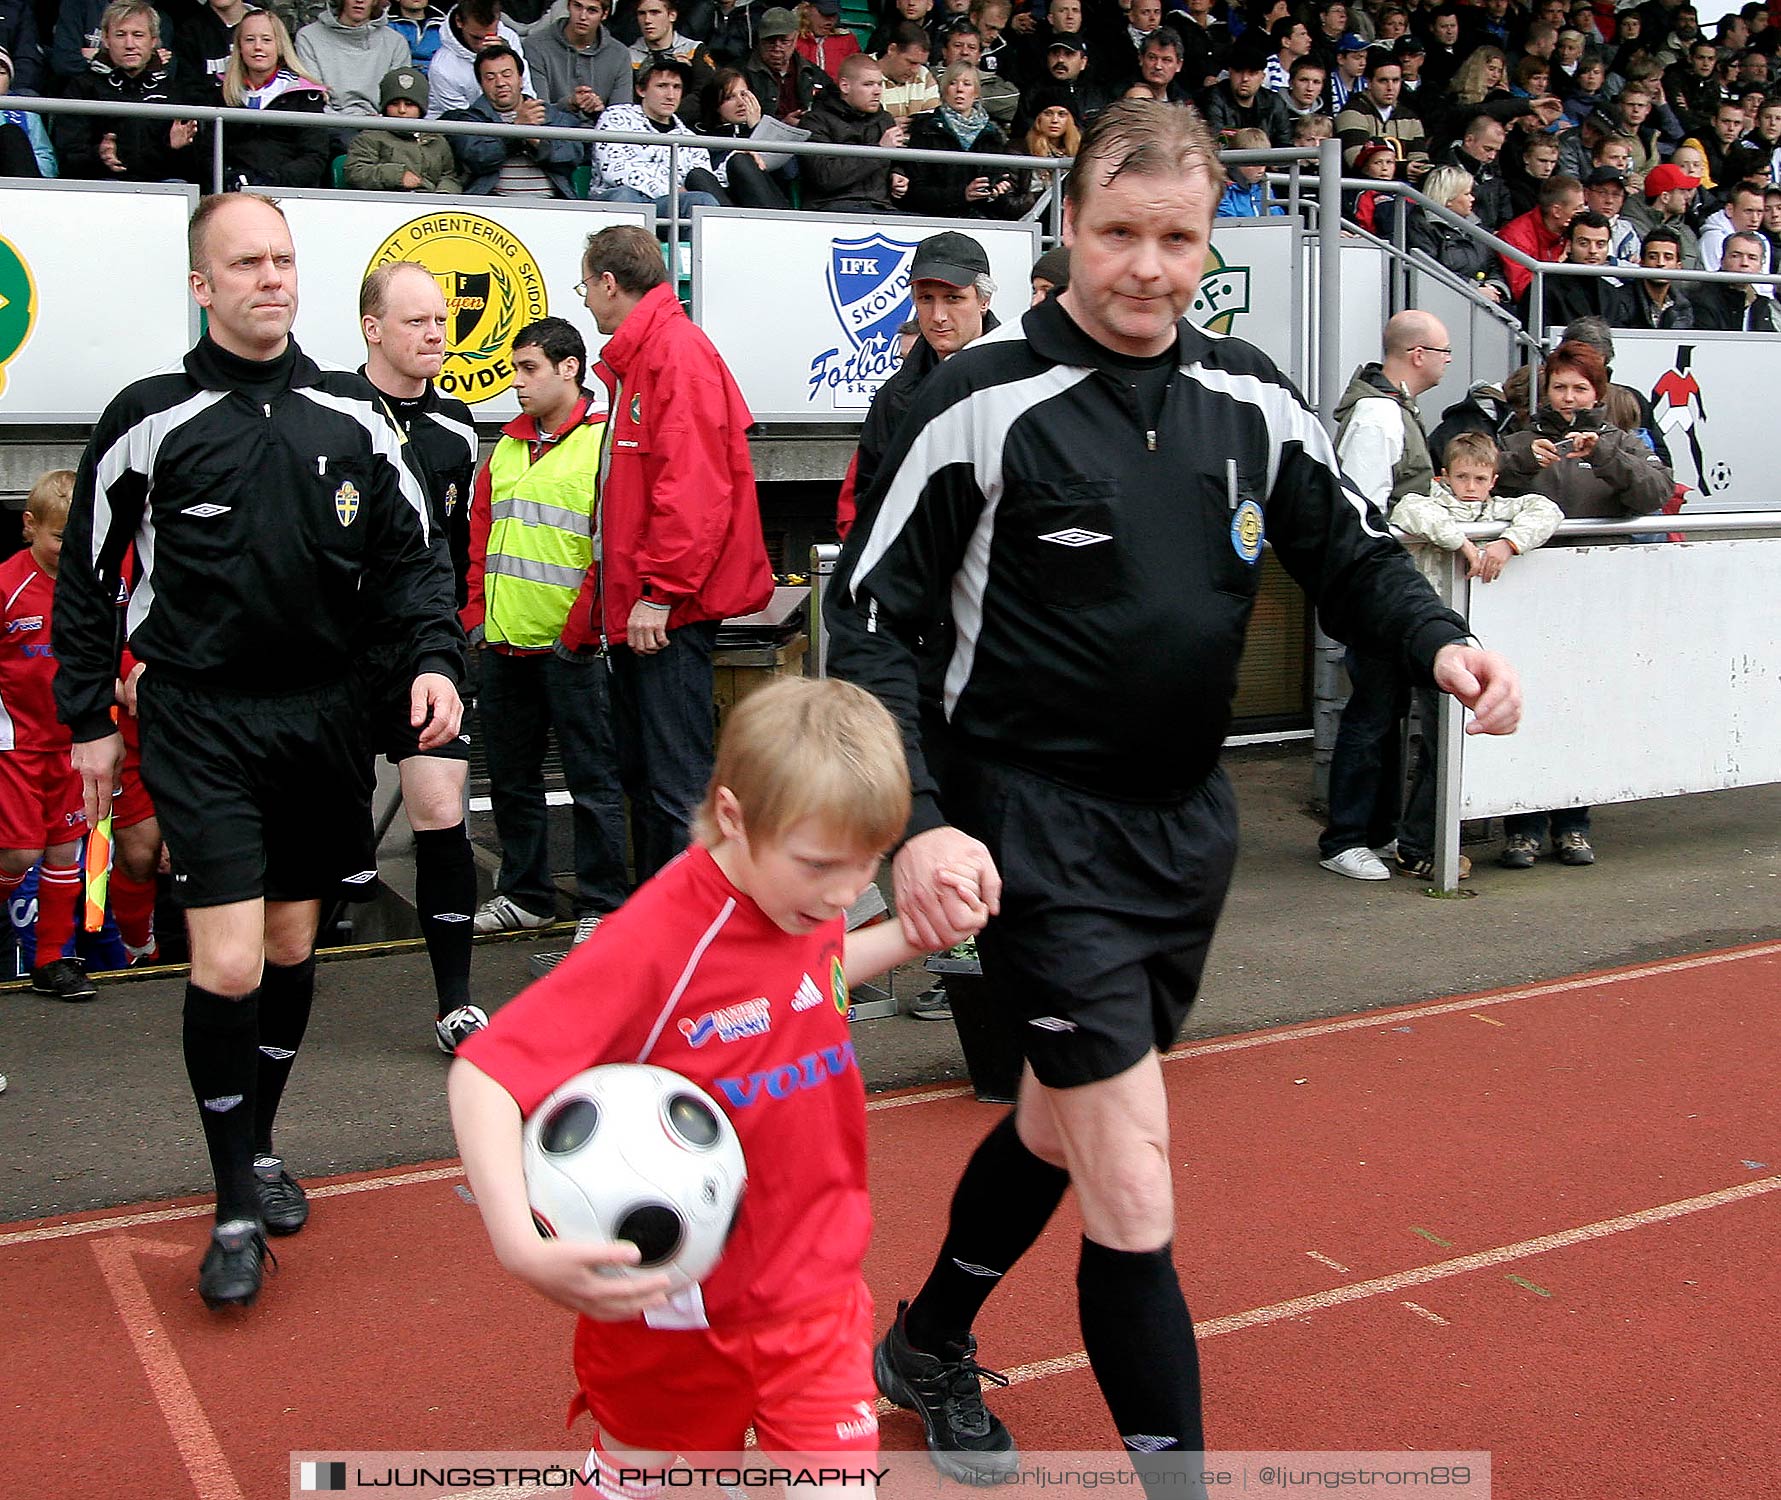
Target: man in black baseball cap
{"points": [[954, 258], [950, 286]]}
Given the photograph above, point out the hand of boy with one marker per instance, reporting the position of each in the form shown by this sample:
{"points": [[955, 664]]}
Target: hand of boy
{"points": [[571, 1272], [963, 884], [1471, 554], [1492, 560]]}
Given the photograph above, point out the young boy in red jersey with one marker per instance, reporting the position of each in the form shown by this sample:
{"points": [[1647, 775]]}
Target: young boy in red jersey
{"points": [[810, 787], [41, 816]]}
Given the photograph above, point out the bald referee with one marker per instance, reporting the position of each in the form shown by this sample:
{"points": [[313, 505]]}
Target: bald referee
{"points": [[1087, 494], [267, 499]]}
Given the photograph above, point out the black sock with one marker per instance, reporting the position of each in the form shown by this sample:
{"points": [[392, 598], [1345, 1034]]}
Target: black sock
{"points": [[286, 994], [1002, 1204], [445, 901], [219, 1034], [1140, 1343]]}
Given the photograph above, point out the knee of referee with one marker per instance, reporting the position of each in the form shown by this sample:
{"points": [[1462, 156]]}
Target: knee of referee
{"points": [[1123, 1185], [433, 792]]}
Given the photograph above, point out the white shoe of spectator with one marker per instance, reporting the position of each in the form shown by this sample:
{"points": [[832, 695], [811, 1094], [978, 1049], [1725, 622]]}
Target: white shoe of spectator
{"points": [[501, 914], [1387, 851], [584, 928], [1357, 864]]}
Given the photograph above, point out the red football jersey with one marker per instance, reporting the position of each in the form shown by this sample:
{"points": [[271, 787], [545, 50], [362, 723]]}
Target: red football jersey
{"points": [[691, 975], [27, 662]]}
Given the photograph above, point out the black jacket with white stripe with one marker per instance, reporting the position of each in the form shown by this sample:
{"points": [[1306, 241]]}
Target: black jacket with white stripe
{"points": [[442, 435], [269, 504], [1097, 570]]}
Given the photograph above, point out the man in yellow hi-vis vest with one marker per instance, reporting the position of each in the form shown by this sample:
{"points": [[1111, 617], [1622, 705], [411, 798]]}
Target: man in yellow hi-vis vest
{"points": [[531, 545]]}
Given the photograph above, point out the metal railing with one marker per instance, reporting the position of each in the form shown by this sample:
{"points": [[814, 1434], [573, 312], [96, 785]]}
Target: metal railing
{"points": [[220, 118]]}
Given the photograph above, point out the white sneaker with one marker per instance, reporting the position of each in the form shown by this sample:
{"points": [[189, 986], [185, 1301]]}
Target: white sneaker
{"points": [[584, 928], [1357, 864], [1388, 851], [501, 914], [460, 1024]]}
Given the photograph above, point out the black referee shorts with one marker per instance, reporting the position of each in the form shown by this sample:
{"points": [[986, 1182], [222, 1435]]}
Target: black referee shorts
{"points": [[258, 795], [1108, 910], [384, 681]]}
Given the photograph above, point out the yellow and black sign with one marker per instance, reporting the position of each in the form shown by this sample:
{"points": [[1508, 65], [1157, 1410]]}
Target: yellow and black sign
{"points": [[492, 287]]}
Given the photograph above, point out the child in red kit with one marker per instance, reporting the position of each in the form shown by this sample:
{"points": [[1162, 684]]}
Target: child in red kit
{"points": [[809, 789], [41, 816]]}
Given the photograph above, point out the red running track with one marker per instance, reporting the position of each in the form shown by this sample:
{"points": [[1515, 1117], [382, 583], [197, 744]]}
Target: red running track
{"points": [[1538, 1222]]}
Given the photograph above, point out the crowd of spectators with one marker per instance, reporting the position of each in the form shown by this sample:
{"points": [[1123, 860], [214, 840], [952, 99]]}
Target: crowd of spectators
{"points": [[1539, 120]]}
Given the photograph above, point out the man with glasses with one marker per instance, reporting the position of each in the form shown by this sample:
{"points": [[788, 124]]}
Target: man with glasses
{"points": [[1385, 454]]}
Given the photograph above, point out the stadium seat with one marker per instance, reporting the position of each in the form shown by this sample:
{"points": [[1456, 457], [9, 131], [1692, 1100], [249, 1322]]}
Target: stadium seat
{"points": [[583, 176], [338, 168]]}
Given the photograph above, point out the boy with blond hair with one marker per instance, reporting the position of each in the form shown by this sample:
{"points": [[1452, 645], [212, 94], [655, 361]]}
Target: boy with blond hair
{"points": [[1433, 524], [41, 809], [809, 789]]}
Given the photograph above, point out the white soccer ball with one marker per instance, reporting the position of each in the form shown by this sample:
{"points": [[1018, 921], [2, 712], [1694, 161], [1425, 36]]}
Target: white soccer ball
{"points": [[634, 1152]]}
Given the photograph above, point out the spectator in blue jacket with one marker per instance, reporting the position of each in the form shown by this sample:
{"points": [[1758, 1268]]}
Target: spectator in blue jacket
{"points": [[1246, 195]]}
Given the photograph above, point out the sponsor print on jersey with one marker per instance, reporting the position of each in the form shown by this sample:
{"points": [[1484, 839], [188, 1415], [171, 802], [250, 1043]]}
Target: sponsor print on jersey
{"points": [[729, 1024], [492, 287], [811, 1071], [24, 622], [808, 996]]}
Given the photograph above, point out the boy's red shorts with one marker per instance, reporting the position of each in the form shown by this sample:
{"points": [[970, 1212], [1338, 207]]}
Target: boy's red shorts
{"points": [[804, 1383], [40, 800]]}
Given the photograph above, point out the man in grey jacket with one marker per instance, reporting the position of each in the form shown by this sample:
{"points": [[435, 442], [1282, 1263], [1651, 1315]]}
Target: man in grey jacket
{"points": [[470, 26], [577, 64], [351, 50]]}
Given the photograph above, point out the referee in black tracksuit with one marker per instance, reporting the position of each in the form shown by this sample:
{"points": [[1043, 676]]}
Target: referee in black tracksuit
{"points": [[403, 318], [267, 501], [1087, 494]]}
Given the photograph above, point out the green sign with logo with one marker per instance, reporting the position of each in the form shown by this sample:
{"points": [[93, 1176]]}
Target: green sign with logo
{"points": [[18, 305], [1224, 292]]}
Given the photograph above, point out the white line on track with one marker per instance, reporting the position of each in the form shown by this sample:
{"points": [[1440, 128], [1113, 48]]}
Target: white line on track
{"points": [[1462, 1265], [933, 1096]]}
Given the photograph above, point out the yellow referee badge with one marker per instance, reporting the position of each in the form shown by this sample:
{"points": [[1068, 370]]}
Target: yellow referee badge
{"points": [[492, 287], [1246, 531]]}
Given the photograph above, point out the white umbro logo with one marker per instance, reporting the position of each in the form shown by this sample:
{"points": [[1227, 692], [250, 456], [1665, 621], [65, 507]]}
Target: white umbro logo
{"points": [[450, 916], [205, 511], [363, 877], [808, 996], [1075, 536], [1052, 1023]]}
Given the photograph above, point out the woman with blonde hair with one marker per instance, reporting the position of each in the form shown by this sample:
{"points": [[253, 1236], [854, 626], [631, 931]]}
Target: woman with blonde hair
{"points": [[962, 124], [263, 74]]}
